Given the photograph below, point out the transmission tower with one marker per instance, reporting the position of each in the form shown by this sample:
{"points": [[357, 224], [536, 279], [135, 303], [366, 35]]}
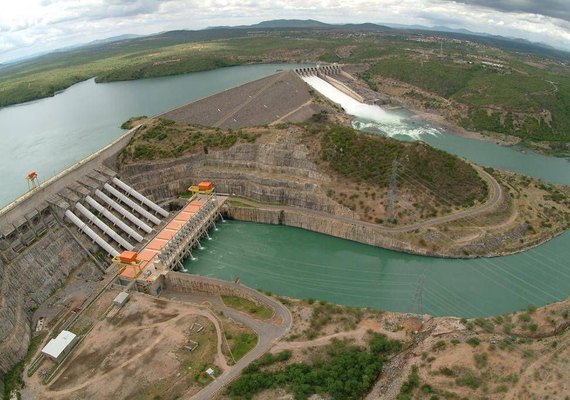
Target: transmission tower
{"points": [[392, 192]]}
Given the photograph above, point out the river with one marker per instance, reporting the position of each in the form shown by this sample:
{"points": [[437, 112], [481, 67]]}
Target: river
{"points": [[50, 134]]}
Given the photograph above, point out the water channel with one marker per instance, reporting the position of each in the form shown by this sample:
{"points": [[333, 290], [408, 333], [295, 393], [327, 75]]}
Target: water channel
{"points": [[50, 134]]}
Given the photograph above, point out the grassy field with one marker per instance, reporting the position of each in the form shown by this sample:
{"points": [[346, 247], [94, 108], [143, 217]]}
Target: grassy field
{"points": [[247, 306]]}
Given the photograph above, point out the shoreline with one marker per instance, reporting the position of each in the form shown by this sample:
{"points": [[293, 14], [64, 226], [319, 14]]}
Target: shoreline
{"points": [[273, 217]]}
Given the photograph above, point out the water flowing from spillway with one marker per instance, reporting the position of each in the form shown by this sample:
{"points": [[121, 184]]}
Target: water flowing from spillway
{"points": [[371, 116]]}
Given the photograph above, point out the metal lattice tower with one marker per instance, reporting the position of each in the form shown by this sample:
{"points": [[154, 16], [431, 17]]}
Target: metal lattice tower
{"points": [[392, 192]]}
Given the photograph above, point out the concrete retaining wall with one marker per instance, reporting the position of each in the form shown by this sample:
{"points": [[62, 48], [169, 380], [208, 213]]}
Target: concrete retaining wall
{"points": [[321, 224], [181, 282]]}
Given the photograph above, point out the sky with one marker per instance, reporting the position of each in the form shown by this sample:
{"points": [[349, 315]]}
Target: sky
{"points": [[29, 27]]}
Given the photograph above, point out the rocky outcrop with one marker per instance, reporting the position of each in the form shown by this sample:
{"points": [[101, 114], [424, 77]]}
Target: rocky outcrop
{"points": [[29, 280], [273, 169]]}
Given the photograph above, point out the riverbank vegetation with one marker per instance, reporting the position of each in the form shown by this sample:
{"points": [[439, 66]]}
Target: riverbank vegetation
{"points": [[340, 370], [483, 84], [516, 355], [506, 96]]}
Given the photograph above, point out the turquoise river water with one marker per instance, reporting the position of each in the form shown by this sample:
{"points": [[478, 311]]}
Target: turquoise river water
{"points": [[51, 134]]}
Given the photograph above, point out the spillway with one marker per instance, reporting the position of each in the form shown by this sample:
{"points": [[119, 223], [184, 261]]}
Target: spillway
{"points": [[370, 116]]}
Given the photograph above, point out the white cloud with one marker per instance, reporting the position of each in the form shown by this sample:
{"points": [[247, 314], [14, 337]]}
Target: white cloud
{"points": [[31, 26]]}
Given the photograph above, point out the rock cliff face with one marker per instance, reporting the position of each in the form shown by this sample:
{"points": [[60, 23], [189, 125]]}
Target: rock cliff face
{"points": [[29, 280], [328, 226], [274, 169]]}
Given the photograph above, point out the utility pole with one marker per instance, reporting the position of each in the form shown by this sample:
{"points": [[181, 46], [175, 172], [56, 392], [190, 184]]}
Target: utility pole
{"points": [[392, 192]]}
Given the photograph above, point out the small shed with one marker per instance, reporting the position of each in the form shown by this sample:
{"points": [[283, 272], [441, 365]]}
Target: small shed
{"points": [[121, 299], [58, 348]]}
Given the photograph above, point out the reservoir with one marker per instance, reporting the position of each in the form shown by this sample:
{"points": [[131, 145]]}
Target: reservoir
{"points": [[50, 134]]}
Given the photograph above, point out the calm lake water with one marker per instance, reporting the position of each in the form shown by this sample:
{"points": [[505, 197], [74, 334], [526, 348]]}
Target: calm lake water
{"points": [[51, 134]]}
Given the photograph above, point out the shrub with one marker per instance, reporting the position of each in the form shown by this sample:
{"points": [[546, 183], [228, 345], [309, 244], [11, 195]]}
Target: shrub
{"points": [[485, 324], [524, 317], [481, 360], [469, 380], [473, 341], [440, 344]]}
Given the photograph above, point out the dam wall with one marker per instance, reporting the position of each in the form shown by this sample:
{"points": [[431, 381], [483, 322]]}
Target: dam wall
{"points": [[183, 282], [38, 251], [326, 225]]}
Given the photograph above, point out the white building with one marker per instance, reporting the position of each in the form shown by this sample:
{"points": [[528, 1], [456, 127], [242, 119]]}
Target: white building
{"points": [[57, 348], [121, 299]]}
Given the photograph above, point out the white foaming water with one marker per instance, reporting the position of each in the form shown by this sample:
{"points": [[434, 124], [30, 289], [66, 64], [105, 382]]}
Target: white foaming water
{"points": [[375, 117]]}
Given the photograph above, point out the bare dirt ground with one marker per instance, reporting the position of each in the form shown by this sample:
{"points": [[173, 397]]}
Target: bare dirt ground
{"points": [[140, 353]]}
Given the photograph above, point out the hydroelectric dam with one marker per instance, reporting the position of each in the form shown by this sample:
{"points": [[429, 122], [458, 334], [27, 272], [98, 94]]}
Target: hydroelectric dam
{"points": [[97, 209]]}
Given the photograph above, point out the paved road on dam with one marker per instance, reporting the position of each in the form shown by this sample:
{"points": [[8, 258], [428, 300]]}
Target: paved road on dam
{"points": [[494, 199]]}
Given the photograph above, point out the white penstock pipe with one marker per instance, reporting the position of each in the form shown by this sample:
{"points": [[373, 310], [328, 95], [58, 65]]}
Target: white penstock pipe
{"points": [[89, 232], [104, 227], [131, 204], [121, 210], [132, 192], [111, 217]]}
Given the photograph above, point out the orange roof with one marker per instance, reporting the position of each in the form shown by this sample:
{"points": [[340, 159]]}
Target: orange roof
{"points": [[166, 234], [183, 216], [147, 254], [205, 185], [128, 256], [174, 225], [156, 244], [131, 271]]}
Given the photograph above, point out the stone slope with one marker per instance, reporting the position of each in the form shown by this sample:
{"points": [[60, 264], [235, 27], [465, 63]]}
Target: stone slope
{"points": [[281, 97], [276, 169]]}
